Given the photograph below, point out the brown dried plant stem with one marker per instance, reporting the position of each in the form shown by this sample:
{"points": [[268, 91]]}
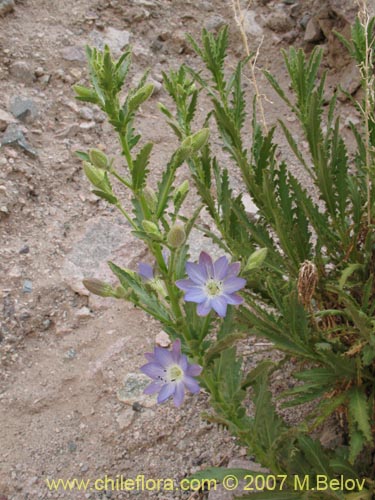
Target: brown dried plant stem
{"points": [[239, 18], [366, 70]]}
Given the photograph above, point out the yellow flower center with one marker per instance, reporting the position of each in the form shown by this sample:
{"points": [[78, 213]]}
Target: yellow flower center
{"points": [[214, 287], [175, 373]]}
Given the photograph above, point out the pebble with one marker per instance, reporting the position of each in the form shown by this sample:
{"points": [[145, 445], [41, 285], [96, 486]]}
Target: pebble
{"points": [[20, 70], [70, 354], [27, 286], [313, 32], [279, 22], [214, 23], [5, 119], [86, 113], [116, 40], [83, 313], [13, 136], [250, 24], [39, 72], [23, 109], [5, 7], [73, 54], [125, 418], [72, 447], [25, 249]]}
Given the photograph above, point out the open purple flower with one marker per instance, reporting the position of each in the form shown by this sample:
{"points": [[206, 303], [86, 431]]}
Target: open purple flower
{"points": [[171, 374], [212, 285]]}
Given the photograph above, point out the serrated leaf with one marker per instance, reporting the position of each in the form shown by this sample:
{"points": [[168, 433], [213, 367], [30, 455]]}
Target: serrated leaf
{"points": [[359, 411], [140, 171], [357, 442]]}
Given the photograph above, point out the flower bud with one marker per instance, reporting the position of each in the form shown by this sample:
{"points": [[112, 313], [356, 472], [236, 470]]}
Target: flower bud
{"points": [[256, 259], [182, 189], [150, 197], [100, 288], [176, 236], [152, 229], [140, 96], [98, 159], [199, 139], [95, 175]]}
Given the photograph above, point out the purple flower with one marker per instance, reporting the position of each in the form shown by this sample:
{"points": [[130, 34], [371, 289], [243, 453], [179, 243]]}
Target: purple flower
{"points": [[171, 372], [212, 284], [145, 271]]}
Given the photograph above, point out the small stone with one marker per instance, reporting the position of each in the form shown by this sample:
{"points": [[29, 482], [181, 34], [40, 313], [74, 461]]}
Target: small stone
{"points": [[116, 40], [83, 313], [250, 25], [27, 286], [72, 447], [45, 79], [279, 22], [84, 468], [249, 204], [73, 54], [125, 418], [20, 70], [23, 109], [313, 32], [70, 354], [214, 23], [25, 249], [350, 80], [304, 20], [137, 406], [132, 390], [46, 324], [13, 136], [39, 72], [86, 113], [5, 120], [162, 339], [6, 6]]}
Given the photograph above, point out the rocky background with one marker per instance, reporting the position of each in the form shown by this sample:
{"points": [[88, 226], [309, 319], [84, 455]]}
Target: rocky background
{"points": [[71, 402]]}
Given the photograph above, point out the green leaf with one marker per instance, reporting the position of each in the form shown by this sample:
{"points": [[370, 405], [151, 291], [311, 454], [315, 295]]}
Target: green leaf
{"points": [[140, 171], [359, 411], [106, 196], [347, 272]]}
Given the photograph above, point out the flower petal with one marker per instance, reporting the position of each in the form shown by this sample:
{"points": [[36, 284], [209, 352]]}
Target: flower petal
{"points": [[176, 351], [191, 384], [219, 304], [220, 268], [233, 284], [145, 271], [206, 262], [195, 294], [149, 356], [152, 388], [179, 394], [153, 370], [185, 285], [233, 269], [166, 392], [193, 370], [163, 356], [233, 299], [196, 273], [183, 363], [204, 308]]}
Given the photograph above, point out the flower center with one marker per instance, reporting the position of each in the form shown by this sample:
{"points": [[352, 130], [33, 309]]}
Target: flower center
{"points": [[214, 287], [175, 373]]}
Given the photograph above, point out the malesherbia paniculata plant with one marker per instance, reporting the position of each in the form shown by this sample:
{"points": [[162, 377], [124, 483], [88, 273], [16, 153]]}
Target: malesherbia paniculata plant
{"points": [[300, 273]]}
